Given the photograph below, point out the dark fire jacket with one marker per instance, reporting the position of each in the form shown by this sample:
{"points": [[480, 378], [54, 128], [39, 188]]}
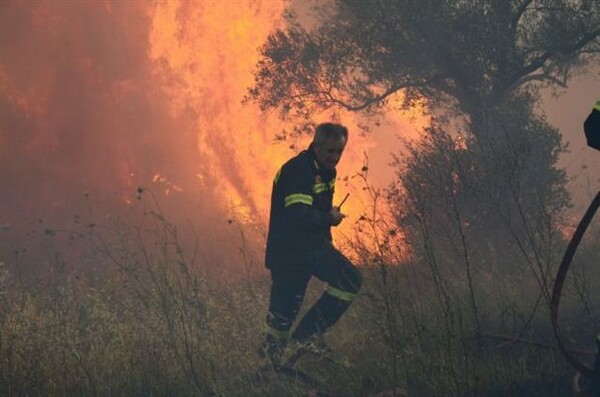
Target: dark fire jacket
{"points": [[592, 127], [300, 222]]}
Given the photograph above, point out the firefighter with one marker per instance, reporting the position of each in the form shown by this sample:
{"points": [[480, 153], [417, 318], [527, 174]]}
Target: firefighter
{"points": [[591, 127], [299, 246]]}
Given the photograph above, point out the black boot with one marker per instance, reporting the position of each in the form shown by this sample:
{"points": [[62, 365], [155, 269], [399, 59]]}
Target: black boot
{"points": [[272, 350]]}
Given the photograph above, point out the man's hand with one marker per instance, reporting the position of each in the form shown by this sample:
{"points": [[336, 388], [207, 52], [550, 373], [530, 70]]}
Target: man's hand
{"points": [[336, 216]]}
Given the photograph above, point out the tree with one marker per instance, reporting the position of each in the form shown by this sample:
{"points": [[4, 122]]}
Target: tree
{"points": [[465, 55], [480, 208]]}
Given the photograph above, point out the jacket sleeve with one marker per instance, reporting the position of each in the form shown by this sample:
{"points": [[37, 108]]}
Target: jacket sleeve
{"points": [[591, 127], [297, 186]]}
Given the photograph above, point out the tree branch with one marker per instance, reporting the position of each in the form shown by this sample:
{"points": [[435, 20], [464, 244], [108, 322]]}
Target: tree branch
{"points": [[540, 77], [519, 14], [585, 40], [521, 76], [367, 103]]}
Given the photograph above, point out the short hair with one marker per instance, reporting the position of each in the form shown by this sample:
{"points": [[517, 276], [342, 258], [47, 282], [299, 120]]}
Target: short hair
{"points": [[326, 131]]}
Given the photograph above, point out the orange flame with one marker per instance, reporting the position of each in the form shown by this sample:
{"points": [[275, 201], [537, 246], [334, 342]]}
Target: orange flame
{"points": [[100, 97], [205, 55]]}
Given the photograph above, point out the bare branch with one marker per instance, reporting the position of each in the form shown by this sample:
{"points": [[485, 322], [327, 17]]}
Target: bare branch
{"points": [[522, 76], [540, 77], [367, 103]]}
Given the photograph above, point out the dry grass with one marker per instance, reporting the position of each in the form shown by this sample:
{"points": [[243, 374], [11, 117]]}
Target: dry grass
{"points": [[152, 323]]}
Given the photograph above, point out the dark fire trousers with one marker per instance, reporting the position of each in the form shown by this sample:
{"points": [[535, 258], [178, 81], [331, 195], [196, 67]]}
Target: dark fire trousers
{"points": [[289, 287]]}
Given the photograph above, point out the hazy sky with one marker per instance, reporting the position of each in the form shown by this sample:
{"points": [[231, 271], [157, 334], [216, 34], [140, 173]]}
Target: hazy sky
{"points": [[567, 112]]}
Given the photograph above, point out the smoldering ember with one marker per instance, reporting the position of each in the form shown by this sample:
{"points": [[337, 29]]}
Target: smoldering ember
{"points": [[299, 198]]}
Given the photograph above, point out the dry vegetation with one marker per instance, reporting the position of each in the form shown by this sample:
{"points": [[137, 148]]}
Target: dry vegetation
{"points": [[151, 322]]}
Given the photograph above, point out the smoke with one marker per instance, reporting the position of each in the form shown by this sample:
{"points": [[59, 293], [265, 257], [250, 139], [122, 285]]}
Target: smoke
{"points": [[80, 109], [98, 99], [566, 109], [85, 121]]}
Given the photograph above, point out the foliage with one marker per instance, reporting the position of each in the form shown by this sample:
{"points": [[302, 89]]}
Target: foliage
{"points": [[466, 55]]}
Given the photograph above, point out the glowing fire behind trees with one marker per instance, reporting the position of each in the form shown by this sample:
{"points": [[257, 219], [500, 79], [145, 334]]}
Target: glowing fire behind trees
{"points": [[104, 97]]}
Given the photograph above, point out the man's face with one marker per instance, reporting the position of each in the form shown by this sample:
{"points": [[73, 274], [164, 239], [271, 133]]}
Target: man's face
{"points": [[330, 152]]}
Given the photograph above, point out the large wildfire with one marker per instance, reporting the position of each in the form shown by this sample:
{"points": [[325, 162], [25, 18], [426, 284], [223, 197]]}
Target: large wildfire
{"points": [[135, 190], [100, 98]]}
